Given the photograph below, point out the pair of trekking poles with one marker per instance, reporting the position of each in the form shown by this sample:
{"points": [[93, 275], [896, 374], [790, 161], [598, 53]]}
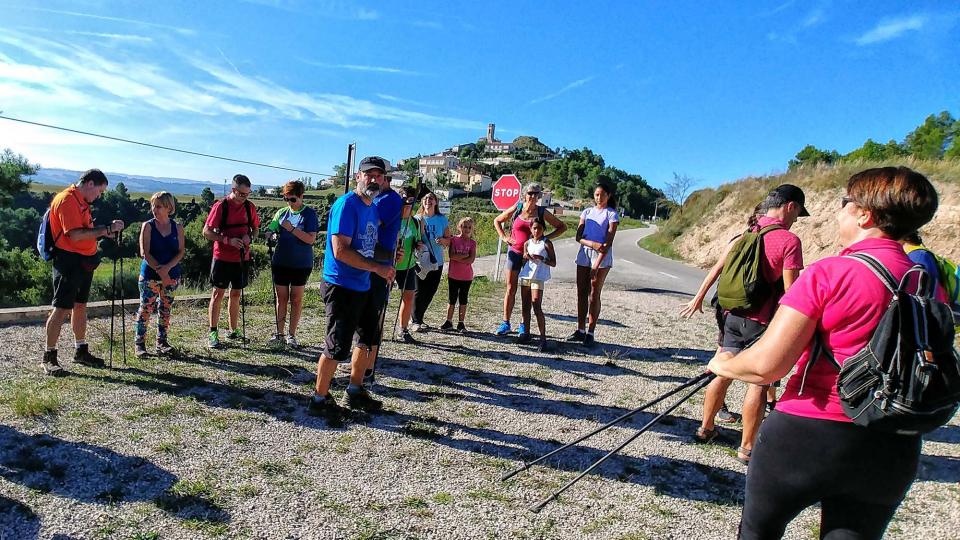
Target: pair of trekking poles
{"points": [[113, 303], [697, 383]]}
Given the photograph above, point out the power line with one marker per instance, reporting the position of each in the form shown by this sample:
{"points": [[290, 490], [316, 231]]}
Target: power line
{"points": [[171, 149]]}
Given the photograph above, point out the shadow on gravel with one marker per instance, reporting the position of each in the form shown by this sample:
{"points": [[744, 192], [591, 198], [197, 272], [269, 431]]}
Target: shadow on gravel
{"points": [[17, 520], [945, 434], [652, 290], [943, 469], [97, 475], [674, 477], [272, 370], [573, 319]]}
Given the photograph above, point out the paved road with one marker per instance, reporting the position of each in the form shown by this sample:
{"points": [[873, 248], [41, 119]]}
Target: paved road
{"points": [[633, 268]]}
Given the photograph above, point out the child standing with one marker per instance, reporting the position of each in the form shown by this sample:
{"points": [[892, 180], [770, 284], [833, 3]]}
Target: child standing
{"points": [[463, 251], [539, 256]]}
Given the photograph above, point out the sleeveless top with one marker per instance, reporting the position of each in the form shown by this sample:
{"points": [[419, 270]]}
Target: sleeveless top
{"points": [[163, 249], [519, 233], [536, 269]]}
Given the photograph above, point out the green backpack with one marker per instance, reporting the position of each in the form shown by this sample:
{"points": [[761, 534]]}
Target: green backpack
{"points": [[949, 277], [742, 285]]}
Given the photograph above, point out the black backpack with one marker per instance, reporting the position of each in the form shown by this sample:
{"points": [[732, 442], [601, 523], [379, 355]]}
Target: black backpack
{"points": [[907, 379], [223, 217]]}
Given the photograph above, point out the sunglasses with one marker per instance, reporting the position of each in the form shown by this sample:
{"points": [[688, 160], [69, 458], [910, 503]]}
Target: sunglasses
{"points": [[241, 193], [534, 193], [845, 201], [290, 199]]}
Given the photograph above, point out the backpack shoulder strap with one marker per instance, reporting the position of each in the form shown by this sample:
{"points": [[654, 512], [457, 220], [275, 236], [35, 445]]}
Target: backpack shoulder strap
{"points": [[224, 206], [769, 228], [247, 206], [540, 211], [878, 270]]}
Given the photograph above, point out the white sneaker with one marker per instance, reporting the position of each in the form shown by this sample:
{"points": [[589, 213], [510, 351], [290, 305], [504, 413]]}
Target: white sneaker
{"points": [[422, 327], [292, 342], [413, 327]]}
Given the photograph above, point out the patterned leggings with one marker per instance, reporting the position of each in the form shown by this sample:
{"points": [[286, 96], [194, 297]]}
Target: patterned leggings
{"points": [[154, 295]]}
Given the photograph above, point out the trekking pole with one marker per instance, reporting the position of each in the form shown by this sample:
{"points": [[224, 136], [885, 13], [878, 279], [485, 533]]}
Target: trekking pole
{"points": [[686, 384], [123, 312], [243, 306], [276, 309], [704, 380], [113, 304]]}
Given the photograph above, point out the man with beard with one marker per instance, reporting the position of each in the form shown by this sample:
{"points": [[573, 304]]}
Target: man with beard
{"points": [[347, 264]]}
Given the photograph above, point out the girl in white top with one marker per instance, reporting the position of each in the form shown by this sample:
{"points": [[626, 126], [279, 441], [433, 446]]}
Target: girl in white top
{"points": [[539, 256]]}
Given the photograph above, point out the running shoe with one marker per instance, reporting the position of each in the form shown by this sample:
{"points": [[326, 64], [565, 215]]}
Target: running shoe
{"points": [[522, 329], [588, 340], [292, 342], [446, 326], [235, 334], [140, 349], [578, 335], [422, 327], [724, 416], [503, 329], [276, 341], [461, 328], [544, 346], [327, 409], [164, 348], [369, 378], [408, 338], [51, 366], [214, 340], [523, 338]]}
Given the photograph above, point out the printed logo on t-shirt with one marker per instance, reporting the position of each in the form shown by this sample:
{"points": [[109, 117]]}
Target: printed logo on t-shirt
{"points": [[295, 219], [368, 240]]}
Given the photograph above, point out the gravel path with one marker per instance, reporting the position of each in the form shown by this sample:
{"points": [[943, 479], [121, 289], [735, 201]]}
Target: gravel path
{"points": [[218, 445]]}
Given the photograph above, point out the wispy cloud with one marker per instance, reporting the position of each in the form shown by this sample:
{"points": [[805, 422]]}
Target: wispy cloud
{"points": [[395, 99], [813, 18], [177, 29], [778, 9], [337, 9], [362, 67], [127, 38], [888, 29], [564, 90]]}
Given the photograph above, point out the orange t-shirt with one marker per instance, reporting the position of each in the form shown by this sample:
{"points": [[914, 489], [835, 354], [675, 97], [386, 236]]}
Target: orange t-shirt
{"points": [[68, 211]]}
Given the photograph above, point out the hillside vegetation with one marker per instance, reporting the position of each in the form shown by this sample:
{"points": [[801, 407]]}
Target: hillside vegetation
{"points": [[710, 217]]}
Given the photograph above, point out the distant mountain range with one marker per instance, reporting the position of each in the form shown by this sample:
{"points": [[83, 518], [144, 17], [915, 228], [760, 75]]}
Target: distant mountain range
{"points": [[134, 183]]}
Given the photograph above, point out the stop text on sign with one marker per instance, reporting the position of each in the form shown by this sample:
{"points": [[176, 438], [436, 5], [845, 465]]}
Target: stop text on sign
{"points": [[510, 192]]}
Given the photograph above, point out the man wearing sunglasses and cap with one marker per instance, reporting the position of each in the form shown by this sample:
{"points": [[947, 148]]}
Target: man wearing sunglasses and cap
{"points": [[349, 261]]}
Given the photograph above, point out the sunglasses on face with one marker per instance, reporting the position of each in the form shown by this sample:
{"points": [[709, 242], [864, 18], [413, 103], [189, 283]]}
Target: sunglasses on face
{"points": [[534, 194], [290, 199], [845, 201], [241, 193]]}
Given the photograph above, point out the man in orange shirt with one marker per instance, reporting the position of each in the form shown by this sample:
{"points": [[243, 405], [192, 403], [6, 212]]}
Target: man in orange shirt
{"points": [[74, 260]]}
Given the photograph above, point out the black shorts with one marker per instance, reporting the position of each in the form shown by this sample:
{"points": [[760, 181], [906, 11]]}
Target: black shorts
{"points": [[458, 290], [72, 277], [739, 333], [284, 276], [342, 307], [514, 260], [368, 326], [225, 274], [407, 279]]}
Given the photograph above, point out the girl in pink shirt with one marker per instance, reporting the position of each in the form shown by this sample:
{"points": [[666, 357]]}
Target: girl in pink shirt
{"points": [[463, 251], [808, 451]]}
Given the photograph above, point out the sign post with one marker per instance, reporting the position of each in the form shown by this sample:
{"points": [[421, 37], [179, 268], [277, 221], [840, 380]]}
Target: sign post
{"points": [[505, 195]]}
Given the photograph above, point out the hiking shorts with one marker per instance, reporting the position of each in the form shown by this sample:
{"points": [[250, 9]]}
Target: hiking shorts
{"points": [[72, 277], [342, 307], [226, 274], [284, 276], [368, 324], [407, 279], [534, 284], [458, 290], [514, 260], [588, 256], [739, 333]]}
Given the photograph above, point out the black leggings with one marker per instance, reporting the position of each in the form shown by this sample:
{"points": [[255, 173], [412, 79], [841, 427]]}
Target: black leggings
{"points": [[858, 476], [426, 289]]}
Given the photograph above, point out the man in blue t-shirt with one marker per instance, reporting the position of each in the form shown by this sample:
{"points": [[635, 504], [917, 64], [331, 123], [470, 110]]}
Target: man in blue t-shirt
{"points": [[388, 204], [347, 265]]}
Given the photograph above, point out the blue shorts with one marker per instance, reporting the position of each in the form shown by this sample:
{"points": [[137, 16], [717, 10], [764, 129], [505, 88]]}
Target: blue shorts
{"points": [[514, 261]]}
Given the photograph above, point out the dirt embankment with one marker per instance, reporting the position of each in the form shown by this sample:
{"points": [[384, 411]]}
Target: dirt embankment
{"points": [[703, 243]]}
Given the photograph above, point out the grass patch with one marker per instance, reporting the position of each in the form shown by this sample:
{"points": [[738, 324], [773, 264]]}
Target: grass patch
{"points": [[487, 495], [443, 498], [192, 488], [414, 502], [210, 528], [160, 410], [661, 244]]}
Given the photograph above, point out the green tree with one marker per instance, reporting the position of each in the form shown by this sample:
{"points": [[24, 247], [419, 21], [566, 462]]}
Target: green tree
{"points": [[811, 155], [207, 198], [261, 191], [874, 151], [13, 167], [932, 138]]}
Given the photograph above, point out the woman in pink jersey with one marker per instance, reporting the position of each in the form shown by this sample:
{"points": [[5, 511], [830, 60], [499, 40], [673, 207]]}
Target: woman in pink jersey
{"points": [[808, 451]]}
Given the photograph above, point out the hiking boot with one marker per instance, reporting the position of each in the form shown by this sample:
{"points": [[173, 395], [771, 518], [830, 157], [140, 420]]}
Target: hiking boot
{"points": [[361, 399], [521, 329], [503, 329], [83, 357], [588, 340], [50, 364], [369, 378], [214, 342], [164, 348], [408, 338], [724, 416], [523, 338], [292, 342], [578, 335], [327, 409], [446, 326], [461, 328], [140, 349]]}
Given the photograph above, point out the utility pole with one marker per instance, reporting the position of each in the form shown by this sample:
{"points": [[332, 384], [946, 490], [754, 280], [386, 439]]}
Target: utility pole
{"points": [[351, 156]]}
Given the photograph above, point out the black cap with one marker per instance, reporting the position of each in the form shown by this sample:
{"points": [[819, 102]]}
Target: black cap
{"points": [[785, 193], [372, 162]]}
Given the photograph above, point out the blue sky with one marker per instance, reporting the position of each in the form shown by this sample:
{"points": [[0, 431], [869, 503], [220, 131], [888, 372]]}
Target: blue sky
{"points": [[716, 91]]}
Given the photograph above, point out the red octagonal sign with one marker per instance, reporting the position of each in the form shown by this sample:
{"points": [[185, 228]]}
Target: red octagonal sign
{"points": [[506, 192]]}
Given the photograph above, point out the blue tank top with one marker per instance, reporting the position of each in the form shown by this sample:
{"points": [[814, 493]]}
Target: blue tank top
{"points": [[163, 249]]}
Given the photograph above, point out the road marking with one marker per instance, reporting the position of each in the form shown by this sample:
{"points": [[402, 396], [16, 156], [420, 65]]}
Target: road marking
{"points": [[631, 262], [669, 275]]}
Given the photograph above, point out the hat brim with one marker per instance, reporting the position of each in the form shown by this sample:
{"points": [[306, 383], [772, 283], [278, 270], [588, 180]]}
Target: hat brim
{"points": [[365, 168], [803, 212]]}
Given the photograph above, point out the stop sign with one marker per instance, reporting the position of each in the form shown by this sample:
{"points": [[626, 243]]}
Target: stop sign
{"points": [[506, 192]]}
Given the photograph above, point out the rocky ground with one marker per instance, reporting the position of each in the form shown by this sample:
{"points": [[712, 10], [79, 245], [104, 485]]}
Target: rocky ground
{"points": [[218, 444]]}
